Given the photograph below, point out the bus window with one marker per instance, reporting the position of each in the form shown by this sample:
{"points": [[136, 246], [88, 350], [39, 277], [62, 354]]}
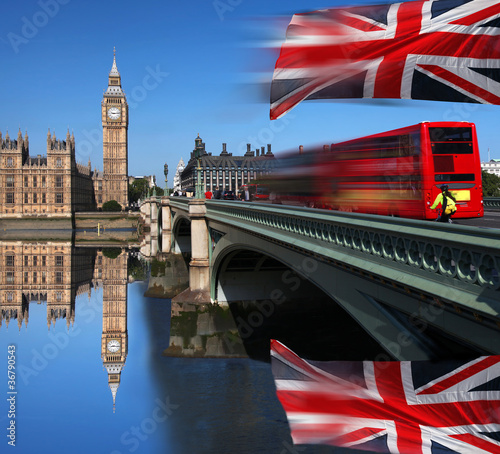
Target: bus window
{"points": [[450, 134], [452, 148], [451, 140], [455, 177]]}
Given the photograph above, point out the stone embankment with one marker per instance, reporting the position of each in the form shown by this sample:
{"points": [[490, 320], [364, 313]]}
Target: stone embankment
{"points": [[85, 228], [106, 221]]}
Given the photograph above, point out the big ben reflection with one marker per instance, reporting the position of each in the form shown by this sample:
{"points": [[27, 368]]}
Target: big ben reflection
{"points": [[114, 344], [54, 273]]}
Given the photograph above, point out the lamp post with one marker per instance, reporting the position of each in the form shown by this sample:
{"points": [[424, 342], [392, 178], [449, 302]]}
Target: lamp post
{"points": [[198, 193], [165, 172]]}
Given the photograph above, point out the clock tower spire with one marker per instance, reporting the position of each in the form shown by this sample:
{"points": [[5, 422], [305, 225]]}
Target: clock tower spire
{"points": [[114, 114]]}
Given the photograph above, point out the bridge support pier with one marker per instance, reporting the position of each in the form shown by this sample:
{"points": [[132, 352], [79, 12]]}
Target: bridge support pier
{"points": [[146, 215], [154, 219], [166, 225], [199, 267]]}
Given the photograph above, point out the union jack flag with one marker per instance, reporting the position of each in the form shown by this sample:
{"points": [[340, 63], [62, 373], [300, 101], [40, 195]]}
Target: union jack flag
{"points": [[402, 407], [442, 50]]}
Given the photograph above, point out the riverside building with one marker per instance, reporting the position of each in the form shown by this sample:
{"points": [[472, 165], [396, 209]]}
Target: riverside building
{"points": [[225, 171]]}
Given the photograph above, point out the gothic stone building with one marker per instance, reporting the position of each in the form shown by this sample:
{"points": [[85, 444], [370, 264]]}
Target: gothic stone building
{"points": [[55, 185], [227, 172]]}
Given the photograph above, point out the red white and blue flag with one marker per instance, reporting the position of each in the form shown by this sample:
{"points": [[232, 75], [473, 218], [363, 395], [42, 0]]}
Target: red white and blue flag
{"points": [[402, 407], [442, 50]]}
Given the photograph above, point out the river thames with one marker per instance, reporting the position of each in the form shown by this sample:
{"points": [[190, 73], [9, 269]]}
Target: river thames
{"points": [[100, 367]]}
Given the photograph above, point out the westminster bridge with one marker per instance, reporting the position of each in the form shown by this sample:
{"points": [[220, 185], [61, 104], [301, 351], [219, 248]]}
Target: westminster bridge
{"points": [[412, 285]]}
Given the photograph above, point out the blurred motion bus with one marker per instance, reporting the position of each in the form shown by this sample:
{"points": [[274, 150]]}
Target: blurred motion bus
{"points": [[256, 191], [396, 173]]}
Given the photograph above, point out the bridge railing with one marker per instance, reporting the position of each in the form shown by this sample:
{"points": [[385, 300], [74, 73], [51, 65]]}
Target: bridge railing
{"points": [[465, 255], [180, 202], [491, 203]]}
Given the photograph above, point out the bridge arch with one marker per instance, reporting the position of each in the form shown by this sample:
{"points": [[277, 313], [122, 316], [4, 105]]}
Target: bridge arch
{"points": [[181, 234], [240, 273], [285, 274], [269, 298]]}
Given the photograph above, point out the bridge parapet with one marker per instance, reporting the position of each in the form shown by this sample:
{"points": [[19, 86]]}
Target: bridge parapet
{"points": [[492, 203], [180, 202]]}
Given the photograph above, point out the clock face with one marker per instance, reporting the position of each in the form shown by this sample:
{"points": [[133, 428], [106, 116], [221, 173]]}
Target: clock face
{"points": [[113, 346], [114, 113]]}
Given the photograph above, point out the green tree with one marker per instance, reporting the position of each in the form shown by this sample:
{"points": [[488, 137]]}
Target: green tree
{"points": [[111, 252], [491, 184], [111, 205], [137, 269], [158, 190], [138, 189]]}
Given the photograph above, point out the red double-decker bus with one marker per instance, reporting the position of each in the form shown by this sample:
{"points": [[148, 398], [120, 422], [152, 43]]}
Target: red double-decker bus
{"points": [[398, 172]]}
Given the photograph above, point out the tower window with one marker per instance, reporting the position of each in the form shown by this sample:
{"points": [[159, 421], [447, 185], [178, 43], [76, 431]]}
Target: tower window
{"points": [[10, 162], [58, 162], [10, 181]]}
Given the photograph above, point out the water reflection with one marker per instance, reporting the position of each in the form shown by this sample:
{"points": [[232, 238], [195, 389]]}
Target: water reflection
{"points": [[54, 274], [42, 272], [203, 330], [112, 269], [117, 372]]}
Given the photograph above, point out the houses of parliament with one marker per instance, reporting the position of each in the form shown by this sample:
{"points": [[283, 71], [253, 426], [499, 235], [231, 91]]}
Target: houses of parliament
{"points": [[55, 185]]}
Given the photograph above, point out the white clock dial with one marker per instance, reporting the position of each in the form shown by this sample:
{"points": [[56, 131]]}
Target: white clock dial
{"points": [[113, 346], [114, 113]]}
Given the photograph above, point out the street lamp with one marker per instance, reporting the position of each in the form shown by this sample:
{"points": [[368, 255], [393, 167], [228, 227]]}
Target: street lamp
{"points": [[198, 193], [165, 172]]}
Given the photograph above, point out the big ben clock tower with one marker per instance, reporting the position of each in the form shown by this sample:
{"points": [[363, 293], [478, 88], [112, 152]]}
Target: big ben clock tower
{"points": [[114, 112]]}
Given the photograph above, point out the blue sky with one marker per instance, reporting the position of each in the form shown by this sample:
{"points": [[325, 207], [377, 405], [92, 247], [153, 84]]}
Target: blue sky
{"points": [[187, 68]]}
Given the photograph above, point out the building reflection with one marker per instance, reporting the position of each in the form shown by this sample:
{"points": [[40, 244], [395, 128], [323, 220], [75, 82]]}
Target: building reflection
{"points": [[203, 330], [54, 273], [114, 342]]}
